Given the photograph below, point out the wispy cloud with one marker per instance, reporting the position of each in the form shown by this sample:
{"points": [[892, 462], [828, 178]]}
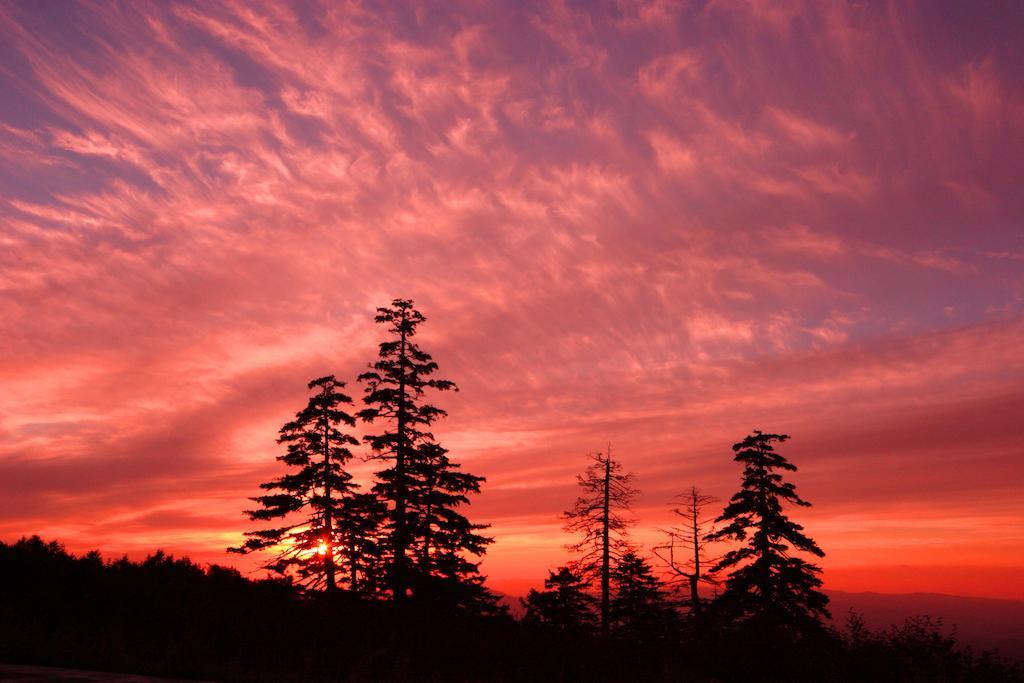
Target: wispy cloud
{"points": [[659, 223]]}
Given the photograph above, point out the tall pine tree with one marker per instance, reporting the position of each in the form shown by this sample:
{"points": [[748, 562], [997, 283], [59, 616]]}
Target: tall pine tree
{"points": [[313, 546], [766, 584], [427, 539], [597, 515]]}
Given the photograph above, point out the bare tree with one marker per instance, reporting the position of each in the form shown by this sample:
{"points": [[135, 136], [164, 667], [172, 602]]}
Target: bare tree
{"points": [[597, 516], [685, 554]]}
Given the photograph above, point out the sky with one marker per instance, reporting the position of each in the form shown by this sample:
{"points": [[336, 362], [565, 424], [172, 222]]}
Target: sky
{"points": [[657, 225]]}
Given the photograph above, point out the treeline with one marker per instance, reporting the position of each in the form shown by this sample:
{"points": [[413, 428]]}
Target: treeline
{"points": [[383, 583], [169, 617]]}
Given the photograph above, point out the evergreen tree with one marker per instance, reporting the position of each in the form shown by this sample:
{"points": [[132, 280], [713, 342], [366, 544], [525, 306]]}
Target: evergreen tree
{"points": [[444, 536], [312, 547], [563, 604], [427, 539], [361, 543], [686, 552], [639, 609], [766, 584], [597, 515]]}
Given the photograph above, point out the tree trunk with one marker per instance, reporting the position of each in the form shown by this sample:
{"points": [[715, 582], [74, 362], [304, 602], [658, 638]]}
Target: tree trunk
{"points": [[761, 542], [399, 579], [353, 574], [328, 521], [695, 577]]}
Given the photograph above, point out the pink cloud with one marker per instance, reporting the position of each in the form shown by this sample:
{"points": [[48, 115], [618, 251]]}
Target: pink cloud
{"points": [[662, 225]]}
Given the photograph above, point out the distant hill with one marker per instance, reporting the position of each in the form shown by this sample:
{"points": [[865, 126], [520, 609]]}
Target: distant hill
{"points": [[983, 623], [515, 607]]}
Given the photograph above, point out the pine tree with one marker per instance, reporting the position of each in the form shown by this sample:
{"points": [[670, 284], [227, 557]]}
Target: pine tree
{"points": [[361, 543], [563, 604], [444, 536], [766, 584], [427, 539], [313, 546], [639, 609], [597, 516], [686, 553]]}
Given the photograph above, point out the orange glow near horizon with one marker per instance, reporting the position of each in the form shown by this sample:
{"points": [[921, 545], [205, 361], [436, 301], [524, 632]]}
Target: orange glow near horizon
{"points": [[656, 225]]}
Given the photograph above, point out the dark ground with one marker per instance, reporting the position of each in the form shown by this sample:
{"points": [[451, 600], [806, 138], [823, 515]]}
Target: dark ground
{"points": [[13, 672]]}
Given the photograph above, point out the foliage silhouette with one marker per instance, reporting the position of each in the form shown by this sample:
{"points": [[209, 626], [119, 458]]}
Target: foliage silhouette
{"points": [[563, 604], [427, 539], [442, 574], [597, 516], [359, 524], [338, 526], [686, 554], [774, 590], [168, 617], [639, 609]]}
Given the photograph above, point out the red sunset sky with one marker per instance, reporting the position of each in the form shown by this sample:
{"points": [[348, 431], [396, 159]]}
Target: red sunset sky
{"points": [[660, 224]]}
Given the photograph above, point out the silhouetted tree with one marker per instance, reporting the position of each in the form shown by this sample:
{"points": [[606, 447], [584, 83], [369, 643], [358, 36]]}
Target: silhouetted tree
{"points": [[443, 535], [311, 546], [685, 554], [597, 516], [639, 609], [426, 536], [766, 583], [361, 543], [564, 603]]}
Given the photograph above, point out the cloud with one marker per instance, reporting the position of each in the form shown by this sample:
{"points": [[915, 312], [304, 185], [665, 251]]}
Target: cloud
{"points": [[661, 224]]}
